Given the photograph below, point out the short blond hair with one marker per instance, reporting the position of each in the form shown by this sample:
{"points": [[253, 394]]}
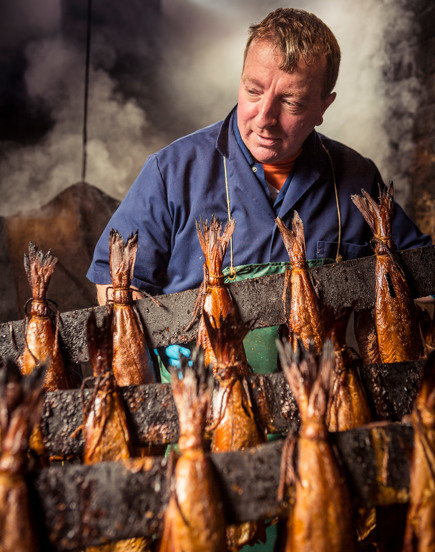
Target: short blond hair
{"points": [[299, 34]]}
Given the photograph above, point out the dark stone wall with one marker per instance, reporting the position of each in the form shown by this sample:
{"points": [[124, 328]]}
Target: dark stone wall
{"points": [[423, 181], [409, 75]]}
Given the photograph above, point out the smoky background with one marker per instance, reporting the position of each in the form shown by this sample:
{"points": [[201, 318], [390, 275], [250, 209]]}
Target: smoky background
{"points": [[162, 68]]}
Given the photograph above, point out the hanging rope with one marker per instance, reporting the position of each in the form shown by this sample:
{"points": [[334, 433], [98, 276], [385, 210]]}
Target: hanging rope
{"points": [[85, 110]]}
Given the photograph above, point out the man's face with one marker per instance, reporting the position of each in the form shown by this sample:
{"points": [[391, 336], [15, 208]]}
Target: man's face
{"points": [[278, 110]]}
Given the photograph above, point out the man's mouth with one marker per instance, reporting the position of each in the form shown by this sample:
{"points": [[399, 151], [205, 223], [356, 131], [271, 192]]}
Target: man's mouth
{"points": [[266, 140]]}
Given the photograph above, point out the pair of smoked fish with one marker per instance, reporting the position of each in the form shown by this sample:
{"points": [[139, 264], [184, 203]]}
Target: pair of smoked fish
{"points": [[347, 406], [131, 364], [391, 333], [105, 427]]}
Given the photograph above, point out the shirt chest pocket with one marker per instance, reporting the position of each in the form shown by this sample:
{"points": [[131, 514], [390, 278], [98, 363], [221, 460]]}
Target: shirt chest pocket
{"points": [[328, 250]]}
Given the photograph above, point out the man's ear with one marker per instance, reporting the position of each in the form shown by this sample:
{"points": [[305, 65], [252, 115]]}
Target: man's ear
{"points": [[326, 103]]}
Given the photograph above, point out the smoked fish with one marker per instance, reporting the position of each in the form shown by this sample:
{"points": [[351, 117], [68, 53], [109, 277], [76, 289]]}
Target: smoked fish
{"points": [[214, 297], [395, 314], [131, 362], [105, 428], [194, 520], [348, 407], [234, 423], [304, 320], [41, 335], [20, 409], [320, 517], [420, 524]]}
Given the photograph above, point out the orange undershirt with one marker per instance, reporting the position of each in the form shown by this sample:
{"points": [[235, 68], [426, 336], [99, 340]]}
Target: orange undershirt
{"points": [[276, 173]]}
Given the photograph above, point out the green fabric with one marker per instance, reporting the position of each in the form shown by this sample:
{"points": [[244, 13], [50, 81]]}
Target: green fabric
{"points": [[244, 272]]}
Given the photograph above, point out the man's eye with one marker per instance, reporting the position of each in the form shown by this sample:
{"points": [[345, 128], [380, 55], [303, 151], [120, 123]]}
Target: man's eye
{"points": [[293, 106], [252, 92]]}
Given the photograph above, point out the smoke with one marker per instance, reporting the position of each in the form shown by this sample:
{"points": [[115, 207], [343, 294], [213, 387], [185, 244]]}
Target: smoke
{"points": [[116, 126], [160, 70]]}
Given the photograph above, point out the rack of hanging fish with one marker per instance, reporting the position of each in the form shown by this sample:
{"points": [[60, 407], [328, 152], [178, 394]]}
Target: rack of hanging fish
{"points": [[120, 461]]}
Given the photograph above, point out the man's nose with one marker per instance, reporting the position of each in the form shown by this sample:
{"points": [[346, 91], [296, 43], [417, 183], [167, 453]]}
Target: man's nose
{"points": [[268, 113]]}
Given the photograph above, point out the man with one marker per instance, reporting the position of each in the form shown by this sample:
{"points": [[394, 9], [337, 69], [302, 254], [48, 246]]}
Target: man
{"points": [[264, 160]]}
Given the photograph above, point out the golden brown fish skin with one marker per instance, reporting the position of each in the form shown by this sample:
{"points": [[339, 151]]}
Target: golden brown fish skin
{"points": [[193, 523], [130, 353], [20, 410], [237, 428], [395, 313], [420, 525], [348, 407], [367, 339], [321, 517], [105, 428], [214, 298], [41, 340], [304, 321], [194, 520], [398, 312], [105, 425]]}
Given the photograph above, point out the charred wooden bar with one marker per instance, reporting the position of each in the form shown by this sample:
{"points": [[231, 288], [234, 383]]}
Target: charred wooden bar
{"points": [[152, 414], [84, 505], [346, 283], [153, 417]]}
